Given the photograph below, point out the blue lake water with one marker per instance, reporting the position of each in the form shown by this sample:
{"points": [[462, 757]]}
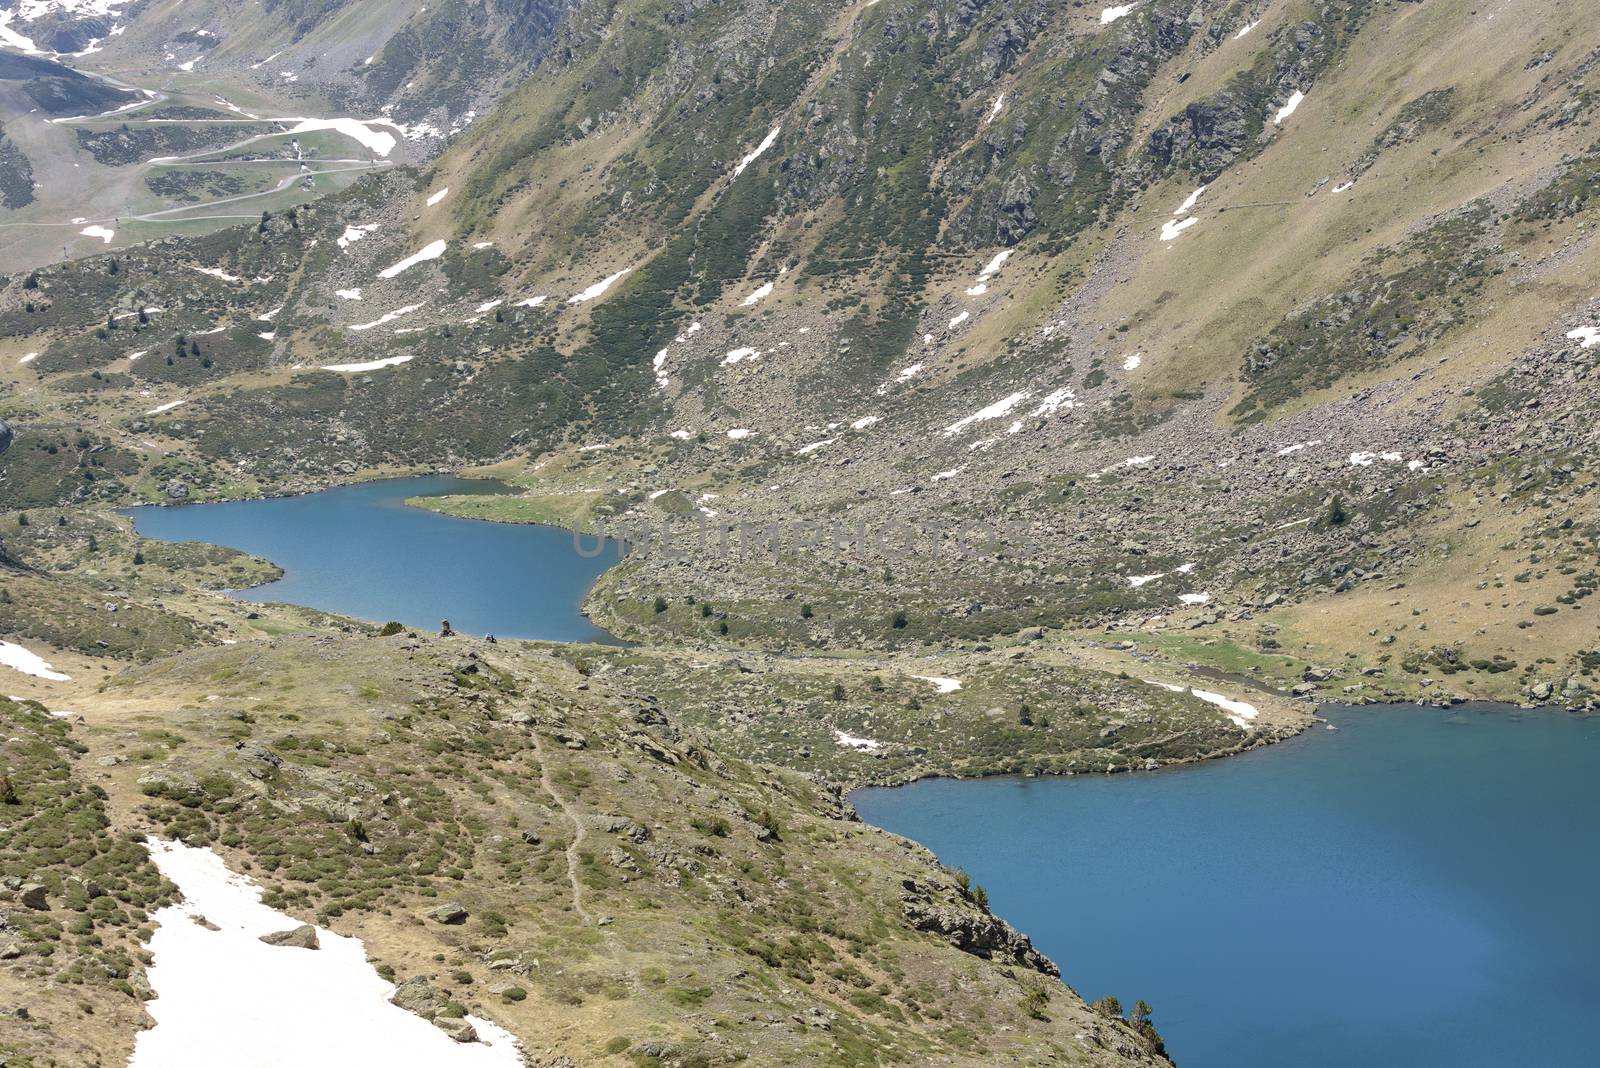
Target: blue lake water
{"points": [[361, 551], [1417, 888]]}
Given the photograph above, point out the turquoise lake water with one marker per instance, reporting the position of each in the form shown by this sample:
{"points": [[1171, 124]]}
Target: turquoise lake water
{"points": [[361, 551], [1417, 888]]}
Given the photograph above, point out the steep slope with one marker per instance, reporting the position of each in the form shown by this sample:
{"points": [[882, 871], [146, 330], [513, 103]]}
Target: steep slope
{"points": [[1205, 314], [613, 889], [180, 118]]}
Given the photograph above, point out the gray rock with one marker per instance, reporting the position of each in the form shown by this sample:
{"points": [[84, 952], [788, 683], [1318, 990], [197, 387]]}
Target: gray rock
{"points": [[7, 435], [302, 937], [460, 1030], [418, 995], [451, 913], [35, 896], [177, 490]]}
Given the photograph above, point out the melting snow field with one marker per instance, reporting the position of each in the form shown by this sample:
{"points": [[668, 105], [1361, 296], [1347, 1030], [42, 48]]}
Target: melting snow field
{"points": [[598, 288], [352, 234], [370, 365], [1586, 336], [851, 741], [381, 142], [999, 408], [940, 683], [766, 143], [1173, 227], [99, 231], [1240, 712], [386, 317], [29, 663], [431, 251], [1288, 107], [225, 996]]}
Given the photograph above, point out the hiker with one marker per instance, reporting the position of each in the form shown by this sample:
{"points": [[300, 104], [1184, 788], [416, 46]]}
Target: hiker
{"points": [[444, 629]]}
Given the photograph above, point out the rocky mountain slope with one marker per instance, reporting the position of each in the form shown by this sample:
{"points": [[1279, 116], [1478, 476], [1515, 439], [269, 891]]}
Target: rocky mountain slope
{"points": [[1230, 316], [555, 854], [1061, 353]]}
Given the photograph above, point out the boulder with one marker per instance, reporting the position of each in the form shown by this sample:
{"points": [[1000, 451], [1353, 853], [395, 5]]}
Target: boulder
{"points": [[177, 490], [6, 435], [418, 995], [453, 912], [460, 1030], [302, 937], [35, 896]]}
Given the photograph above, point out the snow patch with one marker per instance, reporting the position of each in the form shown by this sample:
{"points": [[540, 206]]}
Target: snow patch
{"points": [[1173, 227], [352, 234], [370, 365], [1246, 28], [348, 294], [739, 433], [766, 143], [740, 354], [431, 251], [1108, 15], [167, 407], [994, 264], [1002, 407], [763, 291], [940, 683], [958, 320], [1240, 712], [1132, 362], [850, 741], [386, 317], [380, 142], [1189, 202], [226, 990], [440, 195], [1289, 107], [1049, 405], [598, 288], [29, 663], [218, 272], [1586, 336], [98, 231]]}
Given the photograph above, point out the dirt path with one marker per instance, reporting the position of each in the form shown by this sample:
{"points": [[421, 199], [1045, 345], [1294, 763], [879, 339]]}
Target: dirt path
{"points": [[578, 833]]}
